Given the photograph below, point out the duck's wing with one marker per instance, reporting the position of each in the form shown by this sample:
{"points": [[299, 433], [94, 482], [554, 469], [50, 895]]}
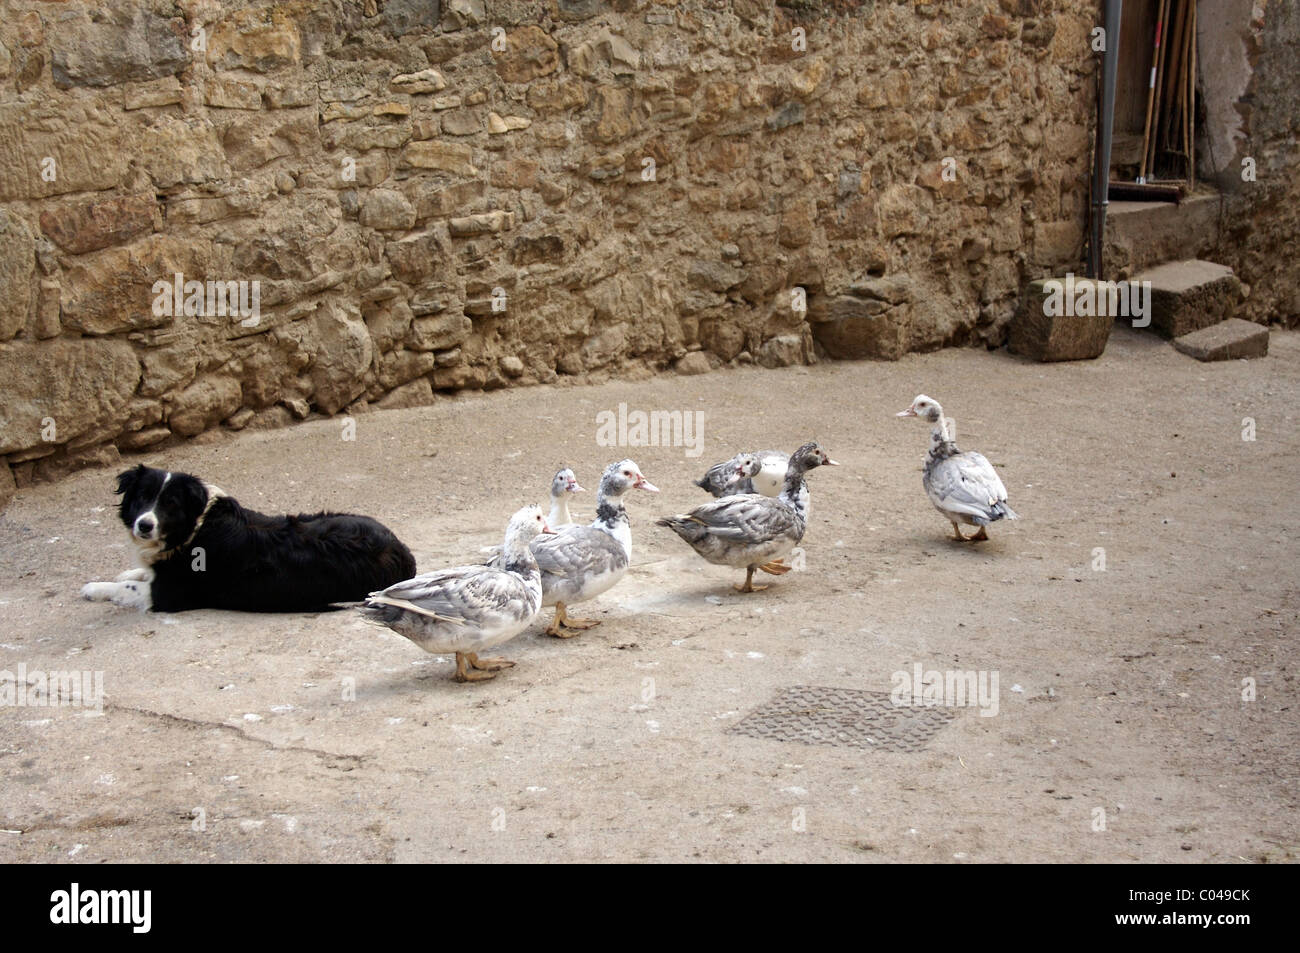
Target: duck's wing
{"points": [[578, 551], [465, 595], [746, 517], [967, 483]]}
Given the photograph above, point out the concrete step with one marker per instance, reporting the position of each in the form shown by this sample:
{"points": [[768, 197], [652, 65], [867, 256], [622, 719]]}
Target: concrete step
{"points": [[1225, 341], [1189, 295], [1141, 235]]}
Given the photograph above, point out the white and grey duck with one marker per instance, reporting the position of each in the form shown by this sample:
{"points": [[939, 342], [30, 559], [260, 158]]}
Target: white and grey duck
{"points": [[751, 530], [563, 483], [579, 563], [467, 609], [962, 485], [760, 472], [721, 478]]}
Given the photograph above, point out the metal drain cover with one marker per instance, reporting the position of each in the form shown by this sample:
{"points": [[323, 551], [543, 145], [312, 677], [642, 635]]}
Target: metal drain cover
{"points": [[844, 718]]}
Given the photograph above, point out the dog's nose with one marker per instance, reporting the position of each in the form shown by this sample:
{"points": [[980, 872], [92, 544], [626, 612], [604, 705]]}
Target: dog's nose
{"points": [[145, 526]]}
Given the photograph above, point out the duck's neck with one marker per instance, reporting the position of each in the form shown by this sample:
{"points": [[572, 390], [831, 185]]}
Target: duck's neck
{"points": [[795, 492], [559, 510], [942, 446], [612, 518], [517, 557]]}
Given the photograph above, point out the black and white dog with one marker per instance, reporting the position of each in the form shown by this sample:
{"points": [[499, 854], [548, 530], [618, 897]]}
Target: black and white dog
{"points": [[199, 549]]}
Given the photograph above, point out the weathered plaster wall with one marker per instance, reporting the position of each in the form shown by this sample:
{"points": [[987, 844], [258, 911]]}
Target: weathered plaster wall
{"points": [[1251, 87], [1225, 36]]}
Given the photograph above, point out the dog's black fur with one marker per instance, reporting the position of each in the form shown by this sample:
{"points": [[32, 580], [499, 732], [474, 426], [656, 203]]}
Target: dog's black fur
{"points": [[253, 562]]}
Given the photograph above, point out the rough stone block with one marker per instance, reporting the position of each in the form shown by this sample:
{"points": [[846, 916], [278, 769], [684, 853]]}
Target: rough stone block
{"points": [[387, 210], [446, 156], [1041, 336], [530, 53], [425, 81], [484, 224], [162, 92], [417, 393], [440, 332], [857, 329], [126, 42], [256, 39], [17, 266], [1225, 341], [90, 226], [204, 403], [871, 322], [64, 389], [232, 94], [1189, 295]]}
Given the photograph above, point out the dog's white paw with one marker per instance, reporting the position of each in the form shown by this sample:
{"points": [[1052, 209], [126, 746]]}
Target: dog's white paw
{"points": [[98, 591], [136, 575], [132, 595]]}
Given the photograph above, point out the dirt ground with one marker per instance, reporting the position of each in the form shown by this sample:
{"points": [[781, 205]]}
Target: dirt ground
{"points": [[229, 737]]}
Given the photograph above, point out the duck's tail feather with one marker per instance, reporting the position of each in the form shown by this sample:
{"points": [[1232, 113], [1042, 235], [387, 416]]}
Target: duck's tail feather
{"points": [[686, 527], [378, 612], [1000, 511]]}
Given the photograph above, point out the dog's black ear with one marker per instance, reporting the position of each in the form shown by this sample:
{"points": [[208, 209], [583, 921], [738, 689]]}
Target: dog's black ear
{"points": [[128, 479], [193, 496]]}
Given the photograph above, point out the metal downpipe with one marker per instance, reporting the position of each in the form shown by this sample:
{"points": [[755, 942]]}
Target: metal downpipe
{"points": [[1105, 124]]}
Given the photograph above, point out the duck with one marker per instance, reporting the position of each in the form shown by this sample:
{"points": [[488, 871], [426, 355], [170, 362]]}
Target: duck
{"points": [[719, 479], [564, 483], [466, 609], [760, 472], [772, 467], [750, 529], [579, 563], [962, 485]]}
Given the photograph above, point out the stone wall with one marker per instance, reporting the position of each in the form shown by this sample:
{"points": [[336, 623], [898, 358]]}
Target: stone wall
{"points": [[474, 194]]}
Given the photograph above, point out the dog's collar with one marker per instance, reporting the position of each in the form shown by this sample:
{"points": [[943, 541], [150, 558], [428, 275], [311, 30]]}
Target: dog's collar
{"points": [[214, 493]]}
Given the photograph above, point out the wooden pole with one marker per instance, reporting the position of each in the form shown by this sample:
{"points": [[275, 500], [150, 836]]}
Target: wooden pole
{"points": [[1191, 111], [1151, 85], [1178, 112], [1170, 83]]}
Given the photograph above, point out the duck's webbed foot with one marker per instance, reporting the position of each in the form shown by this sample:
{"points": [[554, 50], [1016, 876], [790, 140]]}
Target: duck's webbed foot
{"points": [[749, 582], [564, 621], [488, 664], [957, 530], [470, 668], [776, 567], [981, 535]]}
